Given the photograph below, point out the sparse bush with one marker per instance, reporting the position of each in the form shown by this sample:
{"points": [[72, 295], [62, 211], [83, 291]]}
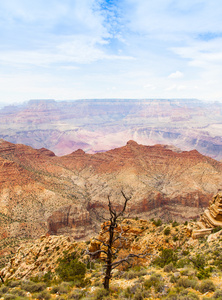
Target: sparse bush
{"points": [[9, 297], [154, 281], [76, 294], [206, 286], [186, 283], [183, 262], [13, 283], [4, 289], [199, 261], [33, 287], [157, 222], [217, 295], [175, 223], [70, 268], [169, 268], [166, 257], [181, 295], [166, 231], [216, 229], [204, 273], [101, 293], [18, 292], [44, 295], [61, 289], [185, 252]]}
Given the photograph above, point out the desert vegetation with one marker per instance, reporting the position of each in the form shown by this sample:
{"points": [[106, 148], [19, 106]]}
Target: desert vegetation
{"points": [[189, 269]]}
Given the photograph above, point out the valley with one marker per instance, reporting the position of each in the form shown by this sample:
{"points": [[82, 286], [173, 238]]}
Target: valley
{"points": [[100, 125]]}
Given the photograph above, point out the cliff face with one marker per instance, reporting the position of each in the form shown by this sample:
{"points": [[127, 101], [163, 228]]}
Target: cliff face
{"points": [[40, 192]]}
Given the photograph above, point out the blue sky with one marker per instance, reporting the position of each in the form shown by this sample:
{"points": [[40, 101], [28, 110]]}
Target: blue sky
{"points": [[72, 49]]}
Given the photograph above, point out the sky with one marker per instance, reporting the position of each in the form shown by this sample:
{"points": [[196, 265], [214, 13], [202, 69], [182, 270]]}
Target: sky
{"points": [[78, 49]]}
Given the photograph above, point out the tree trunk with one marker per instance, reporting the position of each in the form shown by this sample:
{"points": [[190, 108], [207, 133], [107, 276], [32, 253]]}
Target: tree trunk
{"points": [[107, 277]]}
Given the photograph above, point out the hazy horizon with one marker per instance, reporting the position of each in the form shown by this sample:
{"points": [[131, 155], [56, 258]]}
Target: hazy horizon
{"points": [[110, 49]]}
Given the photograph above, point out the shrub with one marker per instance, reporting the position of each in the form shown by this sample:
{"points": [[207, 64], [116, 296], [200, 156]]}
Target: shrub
{"points": [[157, 223], [216, 229], [186, 283], [169, 268], [33, 287], [183, 262], [204, 273], [9, 297], [199, 261], [18, 292], [13, 283], [77, 294], [70, 268], [166, 257], [217, 294], [206, 286], [174, 224], [154, 281], [101, 293], [4, 289], [182, 295], [166, 231], [61, 289], [44, 295]]}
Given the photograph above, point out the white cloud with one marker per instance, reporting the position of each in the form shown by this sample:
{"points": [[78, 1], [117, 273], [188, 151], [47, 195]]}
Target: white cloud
{"points": [[176, 75]]}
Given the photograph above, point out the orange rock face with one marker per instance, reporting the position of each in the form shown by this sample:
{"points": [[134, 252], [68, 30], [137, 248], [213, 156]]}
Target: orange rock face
{"points": [[40, 192]]}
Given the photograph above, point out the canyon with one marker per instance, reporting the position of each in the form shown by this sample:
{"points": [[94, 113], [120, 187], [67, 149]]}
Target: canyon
{"points": [[102, 124], [41, 193]]}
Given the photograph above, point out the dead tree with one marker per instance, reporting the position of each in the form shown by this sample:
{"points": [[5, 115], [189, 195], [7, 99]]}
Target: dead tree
{"points": [[113, 237]]}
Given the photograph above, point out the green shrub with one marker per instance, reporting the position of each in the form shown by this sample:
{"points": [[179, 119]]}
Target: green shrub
{"points": [[33, 287], [63, 288], [9, 297], [206, 286], [13, 283], [18, 292], [186, 283], [166, 231], [185, 252], [216, 229], [4, 289], [181, 295], [76, 294], [204, 273], [166, 257], [217, 295], [157, 223], [70, 268], [101, 293], [183, 262], [175, 223], [199, 261], [154, 281], [44, 295], [169, 268]]}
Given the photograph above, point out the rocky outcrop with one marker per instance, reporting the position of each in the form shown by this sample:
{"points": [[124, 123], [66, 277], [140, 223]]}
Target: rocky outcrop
{"points": [[211, 218]]}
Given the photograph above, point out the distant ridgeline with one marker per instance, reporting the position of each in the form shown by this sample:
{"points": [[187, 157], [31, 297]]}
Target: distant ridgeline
{"points": [[96, 125]]}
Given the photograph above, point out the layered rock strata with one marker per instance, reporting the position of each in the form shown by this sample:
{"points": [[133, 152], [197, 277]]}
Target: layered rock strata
{"points": [[41, 192]]}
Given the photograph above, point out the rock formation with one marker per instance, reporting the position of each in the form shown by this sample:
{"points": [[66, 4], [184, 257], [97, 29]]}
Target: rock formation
{"points": [[211, 218], [41, 192]]}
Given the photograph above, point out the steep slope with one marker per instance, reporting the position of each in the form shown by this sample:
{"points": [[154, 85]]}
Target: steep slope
{"points": [[40, 192]]}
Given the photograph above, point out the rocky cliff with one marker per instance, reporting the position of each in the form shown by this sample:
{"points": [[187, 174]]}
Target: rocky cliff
{"points": [[42, 193]]}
